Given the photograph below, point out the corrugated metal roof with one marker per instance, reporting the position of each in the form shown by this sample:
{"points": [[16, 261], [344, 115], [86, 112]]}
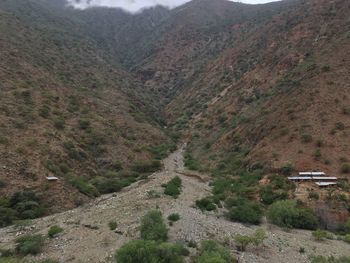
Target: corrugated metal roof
{"points": [[52, 178], [312, 173], [325, 183], [300, 178], [324, 178]]}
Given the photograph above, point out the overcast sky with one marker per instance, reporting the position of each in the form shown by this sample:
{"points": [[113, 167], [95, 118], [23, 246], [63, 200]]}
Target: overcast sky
{"points": [[137, 5]]}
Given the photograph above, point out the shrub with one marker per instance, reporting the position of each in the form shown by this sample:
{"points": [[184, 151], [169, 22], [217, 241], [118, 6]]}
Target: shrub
{"points": [[112, 225], [174, 217], [81, 184], [320, 235], [313, 195], [347, 238], [331, 259], [7, 216], [347, 226], [54, 231], [173, 187], [59, 123], [246, 212], [206, 204], [212, 252], [268, 195], [340, 126], [146, 251], [44, 111], [153, 227], [29, 244], [306, 138], [256, 239], [84, 124], [286, 214], [147, 167], [287, 169], [345, 168]]}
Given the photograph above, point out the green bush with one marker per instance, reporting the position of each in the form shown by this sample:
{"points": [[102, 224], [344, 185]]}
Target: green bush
{"points": [[7, 216], [256, 239], [29, 244], [173, 187], [320, 235], [147, 166], [59, 123], [268, 195], [54, 231], [306, 138], [345, 168], [153, 227], [287, 169], [331, 259], [287, 214], [81, 184], [84, 124], [246, 212], [146, 251], [206, 204], [112, 225], [347, 238], [174, 217], [212, 252]]}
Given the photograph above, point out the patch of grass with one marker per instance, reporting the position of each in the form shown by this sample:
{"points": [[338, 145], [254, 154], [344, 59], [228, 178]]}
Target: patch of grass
{"points": [[54, 231]]}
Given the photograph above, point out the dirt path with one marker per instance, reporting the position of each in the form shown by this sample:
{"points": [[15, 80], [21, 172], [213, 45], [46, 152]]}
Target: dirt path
{"points": [[87, 238]]}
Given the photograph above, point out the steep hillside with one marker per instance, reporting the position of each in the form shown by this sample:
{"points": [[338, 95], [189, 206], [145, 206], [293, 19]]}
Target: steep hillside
{"points": [[281, 90], [66, 112]]}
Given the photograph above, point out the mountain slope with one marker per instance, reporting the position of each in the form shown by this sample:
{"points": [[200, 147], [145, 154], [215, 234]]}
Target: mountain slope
{"points": [[65, 110]]}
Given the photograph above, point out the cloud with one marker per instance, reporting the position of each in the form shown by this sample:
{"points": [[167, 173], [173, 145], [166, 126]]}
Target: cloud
{"points": [[134, 6]]}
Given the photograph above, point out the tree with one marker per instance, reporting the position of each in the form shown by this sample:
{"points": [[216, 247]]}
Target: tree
{"points": [[212, 252]]}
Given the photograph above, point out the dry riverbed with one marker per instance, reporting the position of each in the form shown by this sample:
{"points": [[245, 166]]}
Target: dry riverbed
{"points": [[87, 237]]}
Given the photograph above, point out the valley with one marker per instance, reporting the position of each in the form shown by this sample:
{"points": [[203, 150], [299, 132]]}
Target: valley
{"points": [[201, 113], [87, 238]]}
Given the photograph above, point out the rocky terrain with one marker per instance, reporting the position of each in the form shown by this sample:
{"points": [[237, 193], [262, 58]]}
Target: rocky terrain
{"points": [[87, 238]]}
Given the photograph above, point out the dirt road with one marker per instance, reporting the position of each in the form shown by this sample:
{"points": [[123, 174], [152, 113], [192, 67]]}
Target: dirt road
{"points": [[87, 237]]}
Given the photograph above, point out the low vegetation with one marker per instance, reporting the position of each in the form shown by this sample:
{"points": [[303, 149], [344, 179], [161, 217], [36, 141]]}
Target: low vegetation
{"points": [[22, 205], [174, 217], [256, 239], [173, 187], [288, 214], [206, 204], [243, 210], [212, 252], [54, 231], [29, 244], [153, 227]]}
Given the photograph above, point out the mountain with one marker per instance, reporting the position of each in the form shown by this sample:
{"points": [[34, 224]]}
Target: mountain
{"points": [[249, 87], [66, 111]]}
